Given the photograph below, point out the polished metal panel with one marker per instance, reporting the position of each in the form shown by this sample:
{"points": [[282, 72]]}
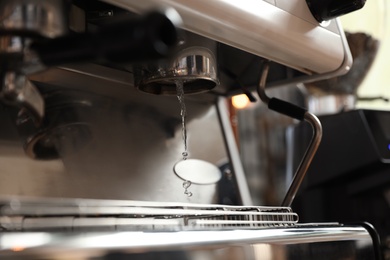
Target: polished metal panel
{"points": [[124, 150], [18, 90], [128, 156], [275, 32], [117, 142], [332, 241]]}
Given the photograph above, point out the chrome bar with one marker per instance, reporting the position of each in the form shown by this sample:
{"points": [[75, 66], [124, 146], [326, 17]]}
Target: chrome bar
{"points": [[306, 160], [311, 150], [35, 215], [263, 81], [344, 240]]}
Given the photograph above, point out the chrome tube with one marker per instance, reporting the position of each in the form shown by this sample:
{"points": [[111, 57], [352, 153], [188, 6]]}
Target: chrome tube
{"points": [[298, 113], [306, 160], [304, 242]]}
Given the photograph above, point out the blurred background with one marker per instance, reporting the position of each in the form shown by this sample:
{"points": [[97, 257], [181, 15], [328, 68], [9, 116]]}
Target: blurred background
{"points": [[367, 89], [349, 179], [373, 19]]}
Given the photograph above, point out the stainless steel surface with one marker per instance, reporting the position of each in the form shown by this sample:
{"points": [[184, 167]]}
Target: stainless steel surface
{"points": [[18, 90], [21, 21], [217, 16], [64, 124], [234, 155], [102, 229], [334, 242], [119, 87], [194, 64], [132, 142], [129, 153], [94, 215], [251, 26], [107, 140]]}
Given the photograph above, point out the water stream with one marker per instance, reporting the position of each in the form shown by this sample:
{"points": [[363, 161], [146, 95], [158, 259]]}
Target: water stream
{"points": [[183, 114]]}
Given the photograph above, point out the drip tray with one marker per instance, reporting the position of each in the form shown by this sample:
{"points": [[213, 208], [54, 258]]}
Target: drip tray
{"points": [[102, 215], [65, 229]]}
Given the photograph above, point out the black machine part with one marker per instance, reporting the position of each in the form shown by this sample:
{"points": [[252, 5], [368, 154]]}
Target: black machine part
{"points": [[350, 174], [324, 10]]}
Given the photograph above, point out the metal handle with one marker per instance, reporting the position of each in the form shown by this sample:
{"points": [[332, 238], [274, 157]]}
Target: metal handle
{"points": [[300, 114], [306, 160]]}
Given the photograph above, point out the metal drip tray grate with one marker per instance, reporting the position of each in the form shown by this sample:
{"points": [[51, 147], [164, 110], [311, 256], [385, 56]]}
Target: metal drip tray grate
{"points": [[75, 215]]}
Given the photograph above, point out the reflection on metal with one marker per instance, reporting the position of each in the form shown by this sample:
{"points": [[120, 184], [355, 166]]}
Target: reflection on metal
{"points": [[86, 229], [300, 242], [43, 18], [17, 90], [231, 145], [127, 147], [21, 22], [57, 142], [197, 171], [64, 129], [242, 24], [194, 64], [96, 215]]}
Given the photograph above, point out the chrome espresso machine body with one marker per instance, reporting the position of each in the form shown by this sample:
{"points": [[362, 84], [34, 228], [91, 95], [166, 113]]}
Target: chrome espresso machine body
{"points": [[93, 153]]}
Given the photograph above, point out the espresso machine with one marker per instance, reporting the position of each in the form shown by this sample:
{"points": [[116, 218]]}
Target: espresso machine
{"points": [[115, 135]]}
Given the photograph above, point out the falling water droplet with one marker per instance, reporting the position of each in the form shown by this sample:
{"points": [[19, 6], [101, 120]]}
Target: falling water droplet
{"points": [[186, 185], [183, 114]]}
